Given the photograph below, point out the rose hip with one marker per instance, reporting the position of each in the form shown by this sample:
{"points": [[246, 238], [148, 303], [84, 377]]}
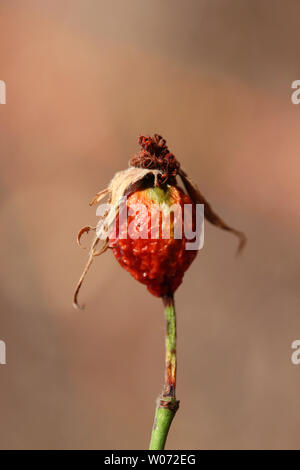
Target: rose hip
{"points": [[158, 263]]}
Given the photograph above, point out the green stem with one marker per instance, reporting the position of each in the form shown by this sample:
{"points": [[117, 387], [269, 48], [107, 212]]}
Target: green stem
{"points": [[167, 404]]}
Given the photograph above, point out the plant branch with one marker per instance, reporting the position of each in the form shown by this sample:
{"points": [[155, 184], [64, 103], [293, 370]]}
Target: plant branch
{"points": [[167, 405]]}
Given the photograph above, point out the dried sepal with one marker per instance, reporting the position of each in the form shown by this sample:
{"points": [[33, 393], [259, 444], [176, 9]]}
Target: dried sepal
{"points": [[123, 183], [93, 253], [99, 196], [86, 230], [209, 214]]}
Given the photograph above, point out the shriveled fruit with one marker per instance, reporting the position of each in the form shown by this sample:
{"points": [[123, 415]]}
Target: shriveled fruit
{"points": [[159, 263]]}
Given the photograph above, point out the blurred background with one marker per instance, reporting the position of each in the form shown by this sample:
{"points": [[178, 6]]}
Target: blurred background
{"points": [[84, 78]]}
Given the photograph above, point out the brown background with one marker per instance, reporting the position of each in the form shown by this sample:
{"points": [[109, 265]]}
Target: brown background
{"points": [[84, 79]]}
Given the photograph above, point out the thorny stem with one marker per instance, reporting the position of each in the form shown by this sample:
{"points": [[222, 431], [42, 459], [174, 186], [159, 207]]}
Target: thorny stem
{"points": [[167, 405]]}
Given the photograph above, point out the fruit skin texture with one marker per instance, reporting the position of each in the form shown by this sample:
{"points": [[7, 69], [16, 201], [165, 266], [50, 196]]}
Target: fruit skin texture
{"points": [[158, 263]]}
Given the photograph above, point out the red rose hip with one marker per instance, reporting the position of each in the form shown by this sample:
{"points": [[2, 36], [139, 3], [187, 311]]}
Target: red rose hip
{"points": [[158, 262]]}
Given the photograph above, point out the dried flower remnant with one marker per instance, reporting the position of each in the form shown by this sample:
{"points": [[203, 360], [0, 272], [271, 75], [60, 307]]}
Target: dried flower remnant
{"points": [[151, 177]]}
